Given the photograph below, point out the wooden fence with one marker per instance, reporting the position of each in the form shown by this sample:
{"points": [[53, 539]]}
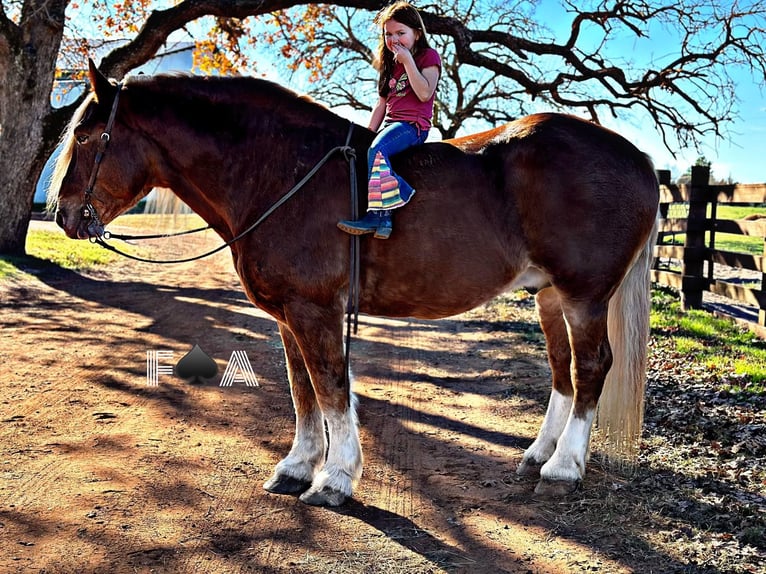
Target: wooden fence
{"points": [[697, 266]]}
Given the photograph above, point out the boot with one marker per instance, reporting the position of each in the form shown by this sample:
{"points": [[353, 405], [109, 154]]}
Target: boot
{"points": [[377, 222], [384, 225]]}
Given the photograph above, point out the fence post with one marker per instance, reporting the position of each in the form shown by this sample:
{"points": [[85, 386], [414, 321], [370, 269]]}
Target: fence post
{"points": [[695, 251], [663, 178], [762, 310]]}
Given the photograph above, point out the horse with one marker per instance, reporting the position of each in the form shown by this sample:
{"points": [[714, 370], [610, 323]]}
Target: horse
{"points": [[550, 202]]}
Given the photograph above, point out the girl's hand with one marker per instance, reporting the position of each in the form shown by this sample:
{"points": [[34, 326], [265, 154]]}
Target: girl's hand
{"points": [[401, 53]]}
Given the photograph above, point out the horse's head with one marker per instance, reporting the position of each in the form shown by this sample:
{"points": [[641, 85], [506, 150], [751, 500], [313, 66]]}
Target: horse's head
{"points": [[101, 168]]}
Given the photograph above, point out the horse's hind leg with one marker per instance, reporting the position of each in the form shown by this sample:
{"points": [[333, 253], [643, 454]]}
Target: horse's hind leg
{"points": [[295, 473], [560, 403], [591, 360]]}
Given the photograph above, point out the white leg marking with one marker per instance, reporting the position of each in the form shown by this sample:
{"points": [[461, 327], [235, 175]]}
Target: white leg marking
{"points": [[307, 452], [559, 408], [343, 468], [568, 462]]}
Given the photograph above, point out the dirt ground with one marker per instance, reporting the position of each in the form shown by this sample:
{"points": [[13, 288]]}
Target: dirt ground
{"points": [[101, 472]]}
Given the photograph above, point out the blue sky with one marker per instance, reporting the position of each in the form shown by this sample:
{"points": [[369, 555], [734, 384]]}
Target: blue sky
{"points": [[739, 155]]}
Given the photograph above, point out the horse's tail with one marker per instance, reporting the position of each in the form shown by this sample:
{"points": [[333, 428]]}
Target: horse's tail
{"points": [[162, 201], [621, 407]]}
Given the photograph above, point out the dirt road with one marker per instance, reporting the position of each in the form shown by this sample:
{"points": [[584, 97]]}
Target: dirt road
{"points": [[100, 472]]}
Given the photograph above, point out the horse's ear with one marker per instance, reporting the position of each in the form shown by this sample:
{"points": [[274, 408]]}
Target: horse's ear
{"points": [[100, 84]]}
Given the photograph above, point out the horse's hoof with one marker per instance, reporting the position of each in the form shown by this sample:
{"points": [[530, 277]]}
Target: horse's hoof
{"points": [[281, 484], [324, 496], [528, 468], [556, 488]]}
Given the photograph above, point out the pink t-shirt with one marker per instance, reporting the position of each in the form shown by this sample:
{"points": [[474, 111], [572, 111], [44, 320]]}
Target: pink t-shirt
{"points": [[402, 104]]}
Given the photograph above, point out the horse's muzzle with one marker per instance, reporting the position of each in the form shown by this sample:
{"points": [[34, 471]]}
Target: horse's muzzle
{"points": [[76, 226]]}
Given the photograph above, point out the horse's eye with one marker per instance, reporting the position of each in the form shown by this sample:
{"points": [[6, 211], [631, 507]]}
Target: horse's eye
{"points": [[81, 138]]}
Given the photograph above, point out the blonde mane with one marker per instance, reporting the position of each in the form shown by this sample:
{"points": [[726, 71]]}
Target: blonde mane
{"points": [[65, 149], [162, 201]]}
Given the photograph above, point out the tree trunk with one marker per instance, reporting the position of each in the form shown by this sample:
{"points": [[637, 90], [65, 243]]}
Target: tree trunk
{"points": [[28, 52]]}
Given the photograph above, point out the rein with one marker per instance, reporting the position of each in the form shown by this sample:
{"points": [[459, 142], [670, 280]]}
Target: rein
{"points": [[121, 237], [348, 152], [352, 311]]}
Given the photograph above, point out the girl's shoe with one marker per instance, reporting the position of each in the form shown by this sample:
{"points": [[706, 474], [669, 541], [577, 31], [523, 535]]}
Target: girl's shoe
{"points": [[377, 222]]}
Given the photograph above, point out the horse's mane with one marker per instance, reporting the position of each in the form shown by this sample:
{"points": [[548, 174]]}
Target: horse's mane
{"points": [[227, 90], [65, 149]]}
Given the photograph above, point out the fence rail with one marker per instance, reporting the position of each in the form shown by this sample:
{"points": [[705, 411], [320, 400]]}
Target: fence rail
{"points": [[697, 266]]}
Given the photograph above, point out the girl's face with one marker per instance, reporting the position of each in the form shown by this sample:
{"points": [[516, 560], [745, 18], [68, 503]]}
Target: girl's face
{"points": [[398, 34]]}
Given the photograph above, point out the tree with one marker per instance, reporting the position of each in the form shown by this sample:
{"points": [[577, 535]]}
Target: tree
{"points": [[686, 177], [28, 50], [31, 33], [687, 95], [338, 52]]}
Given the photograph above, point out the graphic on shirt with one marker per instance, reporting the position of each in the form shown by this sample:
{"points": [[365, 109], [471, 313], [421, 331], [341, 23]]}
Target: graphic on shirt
{"points": [[399, 86]]}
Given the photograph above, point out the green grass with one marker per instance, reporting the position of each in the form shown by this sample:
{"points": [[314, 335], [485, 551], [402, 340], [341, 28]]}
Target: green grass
{"points": [[737, 243], [730, 241], [53, 247], [737, 211], [57, 248], [7, 269], [720, 344]]}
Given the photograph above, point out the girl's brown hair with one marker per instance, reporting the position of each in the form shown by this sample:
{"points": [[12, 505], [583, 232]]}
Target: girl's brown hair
{"points": [[404, 13]]}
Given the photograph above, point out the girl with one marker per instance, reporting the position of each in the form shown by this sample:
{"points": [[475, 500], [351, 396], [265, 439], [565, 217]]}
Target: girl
{"points": [[409, 71]]}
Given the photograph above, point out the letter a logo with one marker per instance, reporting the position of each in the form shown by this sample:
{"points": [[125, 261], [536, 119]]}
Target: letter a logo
{"points": [[238, 369]]}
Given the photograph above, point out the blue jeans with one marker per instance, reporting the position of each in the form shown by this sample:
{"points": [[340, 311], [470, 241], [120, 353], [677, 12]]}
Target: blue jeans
{"points": [[392, 139]]}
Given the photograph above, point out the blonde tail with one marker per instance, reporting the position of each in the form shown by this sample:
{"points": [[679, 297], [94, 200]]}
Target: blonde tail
{"points": [[621, 407]]}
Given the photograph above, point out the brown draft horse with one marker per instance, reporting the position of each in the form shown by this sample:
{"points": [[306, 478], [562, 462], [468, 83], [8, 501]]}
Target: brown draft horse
{"points": [[550, 202]]}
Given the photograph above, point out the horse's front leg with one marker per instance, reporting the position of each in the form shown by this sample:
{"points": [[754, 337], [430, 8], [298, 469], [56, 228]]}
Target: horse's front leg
{"points": [[295, 473], [318, 331], [591, 360]]}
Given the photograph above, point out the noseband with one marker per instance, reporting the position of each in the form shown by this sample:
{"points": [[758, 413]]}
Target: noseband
{"points": [[89, 212]]}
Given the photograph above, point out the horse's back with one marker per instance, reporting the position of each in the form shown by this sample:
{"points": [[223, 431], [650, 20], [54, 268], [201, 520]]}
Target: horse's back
{"points": [[450, 249], [585, 197], [550, 197]]}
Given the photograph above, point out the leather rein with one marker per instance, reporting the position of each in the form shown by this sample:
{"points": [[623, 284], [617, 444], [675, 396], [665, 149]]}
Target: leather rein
{"points": [[90, 214]]}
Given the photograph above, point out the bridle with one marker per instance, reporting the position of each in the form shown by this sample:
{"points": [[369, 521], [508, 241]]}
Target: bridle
{"points": [[88, 212]]}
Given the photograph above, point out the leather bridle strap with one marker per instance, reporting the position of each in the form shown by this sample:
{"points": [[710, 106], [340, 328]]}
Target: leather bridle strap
{"points": [[88, 211], [352, 309]]}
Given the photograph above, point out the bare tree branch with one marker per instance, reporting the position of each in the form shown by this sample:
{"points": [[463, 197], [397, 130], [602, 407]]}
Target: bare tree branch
{"points": [[676, 94], [687, 97], [161, 23]]}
